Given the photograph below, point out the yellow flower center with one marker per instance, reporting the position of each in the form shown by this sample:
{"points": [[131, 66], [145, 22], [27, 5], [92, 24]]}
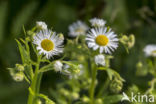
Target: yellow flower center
{"points": [[102, 40], [47, 45]]}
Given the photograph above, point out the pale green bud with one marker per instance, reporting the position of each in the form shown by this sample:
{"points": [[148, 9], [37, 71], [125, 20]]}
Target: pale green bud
{"points": [[85, 99], [38, 101], [131, 41], [19, 67], [18, 77], [64, 92], [75, 95], [61, 36], [124, 39], [77, 71], [116, 86], [139, 65], [98, 101]]}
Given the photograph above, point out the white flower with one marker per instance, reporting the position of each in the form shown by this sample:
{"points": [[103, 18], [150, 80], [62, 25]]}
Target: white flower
{"points": [[96, 22], [48, 43], [58, 66], [150, 50], [103, 39], [100, 60], [77, 28], [41, 25]]}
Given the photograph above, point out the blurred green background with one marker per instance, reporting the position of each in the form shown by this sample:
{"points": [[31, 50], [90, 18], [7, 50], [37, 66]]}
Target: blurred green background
{"points": [[124, 16]]}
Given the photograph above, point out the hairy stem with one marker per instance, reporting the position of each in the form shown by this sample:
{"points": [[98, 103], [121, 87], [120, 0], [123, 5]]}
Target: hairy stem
{"points": [[92, 87], [35, 86]]}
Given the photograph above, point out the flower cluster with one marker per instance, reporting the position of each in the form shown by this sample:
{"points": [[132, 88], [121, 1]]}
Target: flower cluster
{"points": [[88, 51]]}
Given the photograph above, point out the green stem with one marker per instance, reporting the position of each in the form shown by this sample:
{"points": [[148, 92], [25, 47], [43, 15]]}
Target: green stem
{"points": [[35, 86], [104, 87], [92, 88]]}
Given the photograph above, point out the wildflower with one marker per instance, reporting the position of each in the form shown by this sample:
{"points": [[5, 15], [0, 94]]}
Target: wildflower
{"points": [[96, 22], [48, 43], [77, 28], [58, 66], [41, 25], [18, 77], [103, 39], [150, 50], [100, 60]]}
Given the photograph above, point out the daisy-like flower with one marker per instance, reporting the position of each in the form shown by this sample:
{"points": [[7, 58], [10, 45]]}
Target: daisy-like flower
{"points": [[77, 28], [41, 25], [103, 39], [100, 60], [96, 22], [58, 66], [150, 50], [48, 43]]}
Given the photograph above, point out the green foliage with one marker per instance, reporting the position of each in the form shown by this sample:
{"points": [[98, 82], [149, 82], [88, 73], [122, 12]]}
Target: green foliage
{"points": [[125, 16]]}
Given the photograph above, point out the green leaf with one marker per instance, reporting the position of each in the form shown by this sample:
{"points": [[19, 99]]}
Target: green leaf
{"points": [[110, 73], [23, 52]]}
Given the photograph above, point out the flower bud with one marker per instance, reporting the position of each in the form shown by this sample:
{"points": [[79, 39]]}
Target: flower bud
{"points": [[38, 101], [19, 67], [58, 66], [75, 95], [61, 36], [85, 99], [116, 86], [131, 41], [64, 92], [98, 101], [100, 60], [41, 25], [18, 77]]}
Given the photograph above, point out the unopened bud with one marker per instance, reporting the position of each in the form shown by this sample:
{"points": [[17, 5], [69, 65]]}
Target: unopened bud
{"points": [[61, 36], [18, 77], [75, 95], [19, 67], [38, 101], [98, 101], [116, 86], [85, 99], [131, 41], [58, 66]]}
